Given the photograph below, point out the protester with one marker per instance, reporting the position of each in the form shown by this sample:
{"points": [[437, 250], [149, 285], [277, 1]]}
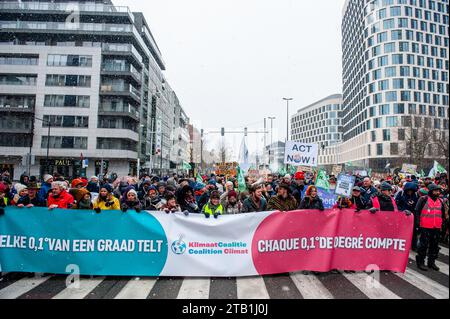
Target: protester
{"points": [[83, 199], [312, 200], [4, 201], [130, 201], [432, 212], [171, 205], [31, 199], [407, 201], [358, 201], [186, 200], [368, 191], [231, 204], [255, 202], [213, 207], [59, 197], [106, 200], [152, 201], [283, 201]]}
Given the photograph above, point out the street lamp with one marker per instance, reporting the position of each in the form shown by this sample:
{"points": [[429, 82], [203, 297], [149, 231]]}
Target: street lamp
{"points": [[287, 121], [271, 136]]}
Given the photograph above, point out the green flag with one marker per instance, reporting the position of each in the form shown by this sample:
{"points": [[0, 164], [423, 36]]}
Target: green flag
{"points": [[199, 178], [322, 180], [241, 180], [422, 173], [440, 169], [186, 166], [369, 172], [293, 170]]}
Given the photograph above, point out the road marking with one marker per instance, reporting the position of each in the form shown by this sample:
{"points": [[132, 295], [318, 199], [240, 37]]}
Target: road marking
{"points": [[86, 286], [443, 267], [194, 288], [21, 287], [443, 251], [136, 288], [423, 283], [370, 287], [251, 288], [310, 287]]}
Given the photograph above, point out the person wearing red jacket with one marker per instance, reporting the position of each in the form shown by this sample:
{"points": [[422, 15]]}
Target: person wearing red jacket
{"points": [[59, 197]]}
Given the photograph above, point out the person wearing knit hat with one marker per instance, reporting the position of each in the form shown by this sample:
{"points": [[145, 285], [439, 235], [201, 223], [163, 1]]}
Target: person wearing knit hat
{"points": [[45, 187], [77, 183], [213, 207], [106, 200], [21, 193], [131, 202], [231, 204]]}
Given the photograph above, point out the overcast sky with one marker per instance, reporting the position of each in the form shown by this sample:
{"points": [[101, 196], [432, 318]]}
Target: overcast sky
{"points": [[232, 61]]}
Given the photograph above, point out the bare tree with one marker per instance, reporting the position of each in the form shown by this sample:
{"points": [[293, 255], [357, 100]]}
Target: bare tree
{"points": [[225, 152]]}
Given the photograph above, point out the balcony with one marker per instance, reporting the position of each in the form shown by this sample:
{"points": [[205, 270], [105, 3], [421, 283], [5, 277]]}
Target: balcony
{"points": [[121, 49], [66, 7], [127, 70], [16, 108], [120, 110], [121, 90]]}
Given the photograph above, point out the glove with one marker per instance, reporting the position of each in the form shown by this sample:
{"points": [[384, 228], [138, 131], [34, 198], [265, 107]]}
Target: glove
{"points": [[216, 215], [323, 209], [167, 211], [98, 210], [124, 209], [206, 215], [138, 209], [357, 211], [408, 212], [108, 204], [373, 210], [2, 211], [186, 213]]}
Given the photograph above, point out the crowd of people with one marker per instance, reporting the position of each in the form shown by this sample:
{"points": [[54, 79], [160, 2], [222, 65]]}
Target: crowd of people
{"points": [[213, 196]]}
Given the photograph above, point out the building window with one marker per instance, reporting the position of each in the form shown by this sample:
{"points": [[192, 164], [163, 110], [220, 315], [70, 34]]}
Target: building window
{"points": [[68, 80], [386, 135], [18, 79], [67, 101], [69, 60], [401, 134], [379, 149], [65, 142], [394, 148], [14, 59]]}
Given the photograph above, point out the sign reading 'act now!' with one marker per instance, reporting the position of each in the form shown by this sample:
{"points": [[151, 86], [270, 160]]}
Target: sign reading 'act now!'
{"points": [[301, 154]]}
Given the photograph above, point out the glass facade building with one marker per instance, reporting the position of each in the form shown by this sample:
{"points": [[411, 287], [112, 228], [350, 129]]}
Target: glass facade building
{"points": [[395, 77]]}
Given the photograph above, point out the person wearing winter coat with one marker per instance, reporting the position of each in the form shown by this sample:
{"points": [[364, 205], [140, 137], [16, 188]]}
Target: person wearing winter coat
{"points": [[186, 200], [93, 185], [106, 200], [131, 201], [255, 202], [431, 213], [46, 187], [21, 194], [59, 197], [171, 206], [231, 204], [407, 199], [31, 199], [152, 201], [283, 201], [83, 200], [4, 201], [368, 191], [384, 201], [213, 207], [312, 199], [358, 201]]}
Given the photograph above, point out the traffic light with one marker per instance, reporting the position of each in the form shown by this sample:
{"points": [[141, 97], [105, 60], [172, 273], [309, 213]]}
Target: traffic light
{"points": [[222, 131], [245, 131]]}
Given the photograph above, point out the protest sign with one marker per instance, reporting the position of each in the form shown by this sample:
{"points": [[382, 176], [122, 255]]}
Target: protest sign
{"points": [[304, 169], [345, 185], [329, 198], [409, 169], [158, 244], [227, 169], [301, 154]]}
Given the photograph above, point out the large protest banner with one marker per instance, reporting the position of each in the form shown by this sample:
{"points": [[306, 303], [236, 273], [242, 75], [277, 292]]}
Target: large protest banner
{"points": [[301, 154], [157, 244]]}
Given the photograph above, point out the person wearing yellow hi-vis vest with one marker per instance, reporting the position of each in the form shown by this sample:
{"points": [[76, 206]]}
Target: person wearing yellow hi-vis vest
{"points": [[213, 207], [3, 198]]}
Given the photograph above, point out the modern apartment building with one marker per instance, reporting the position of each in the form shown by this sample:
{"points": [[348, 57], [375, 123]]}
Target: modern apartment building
{"points": [[320, 123], [80, 80], [395, 80]]}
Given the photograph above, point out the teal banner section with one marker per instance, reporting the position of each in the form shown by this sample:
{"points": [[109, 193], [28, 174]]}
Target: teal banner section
{"points": [[80, 241]]}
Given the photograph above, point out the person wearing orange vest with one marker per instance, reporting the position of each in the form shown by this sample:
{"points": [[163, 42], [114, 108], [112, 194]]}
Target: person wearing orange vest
{"points": [[432, 212]]}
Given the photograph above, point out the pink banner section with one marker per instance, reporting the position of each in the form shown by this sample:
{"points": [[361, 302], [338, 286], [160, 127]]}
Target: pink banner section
{"points": [[333, 239]]}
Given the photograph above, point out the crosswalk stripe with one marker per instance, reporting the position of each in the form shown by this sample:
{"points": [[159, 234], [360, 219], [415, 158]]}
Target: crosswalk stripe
{"points": [[431, 287], [443, 251], [310, 287], [21, 287], [370, 286], [136, 288], [86, 286], [251, 288], [443, 267], [194, 288]]}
